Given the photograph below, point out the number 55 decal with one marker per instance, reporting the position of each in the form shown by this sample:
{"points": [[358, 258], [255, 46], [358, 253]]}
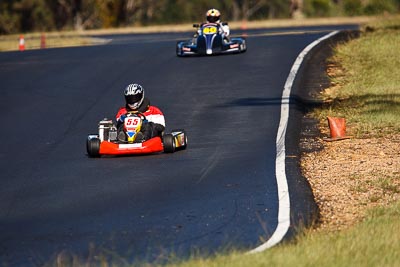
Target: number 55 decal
{"points": [[132, 122]]}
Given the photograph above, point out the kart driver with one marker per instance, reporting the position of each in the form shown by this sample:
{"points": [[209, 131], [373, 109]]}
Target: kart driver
{"points": [[214, 16], [135, 100]]}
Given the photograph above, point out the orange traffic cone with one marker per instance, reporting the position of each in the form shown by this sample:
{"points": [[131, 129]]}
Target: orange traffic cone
{"points": [[243, 27], [21, 43], [337, 128], [43, 41]]}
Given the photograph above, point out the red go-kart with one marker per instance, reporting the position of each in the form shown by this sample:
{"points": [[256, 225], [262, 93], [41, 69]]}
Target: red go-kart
{"points": [[107, 143]]}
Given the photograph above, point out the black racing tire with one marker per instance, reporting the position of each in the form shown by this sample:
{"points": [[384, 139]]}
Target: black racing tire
{"points": [[243, 46], [169, 143], [93, 147], [178, 50]]}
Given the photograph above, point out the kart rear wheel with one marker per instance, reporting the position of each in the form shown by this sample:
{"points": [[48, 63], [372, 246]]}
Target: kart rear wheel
{"points": [[93, 147], [169, 143], [243, 46]]}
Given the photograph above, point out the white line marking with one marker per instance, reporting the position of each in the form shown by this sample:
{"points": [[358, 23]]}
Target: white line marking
{"points": [[283, 191]]}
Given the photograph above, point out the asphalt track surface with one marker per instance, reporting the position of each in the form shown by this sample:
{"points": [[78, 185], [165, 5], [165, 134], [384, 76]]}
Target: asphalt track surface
{"points": [[220, 193]]}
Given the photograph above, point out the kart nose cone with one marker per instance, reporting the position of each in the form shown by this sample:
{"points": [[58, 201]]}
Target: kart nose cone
{"points": [[209, 51]]}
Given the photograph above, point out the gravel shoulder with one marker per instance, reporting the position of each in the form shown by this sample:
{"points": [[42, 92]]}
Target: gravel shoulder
{"points": [[350, 176]]}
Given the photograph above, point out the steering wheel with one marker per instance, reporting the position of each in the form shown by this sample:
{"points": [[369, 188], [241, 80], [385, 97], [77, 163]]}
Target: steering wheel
{"points": [[136, 114]]}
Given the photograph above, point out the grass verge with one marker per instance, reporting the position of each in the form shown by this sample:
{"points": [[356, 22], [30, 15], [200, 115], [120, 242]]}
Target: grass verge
{"points": [[366, 80], [51, 40]]}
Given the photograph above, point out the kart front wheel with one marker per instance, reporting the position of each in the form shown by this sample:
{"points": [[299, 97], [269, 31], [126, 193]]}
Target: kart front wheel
{"points": [[178, 50], [243, 46], [169, 143], [93, 147]]}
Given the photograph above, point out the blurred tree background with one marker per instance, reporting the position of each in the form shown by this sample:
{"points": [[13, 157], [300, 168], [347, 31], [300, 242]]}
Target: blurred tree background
{"points": [[18, 16]]}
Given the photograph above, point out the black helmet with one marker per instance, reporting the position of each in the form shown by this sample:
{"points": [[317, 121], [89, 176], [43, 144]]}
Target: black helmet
{"points": [[134, 95], [213, 15]]}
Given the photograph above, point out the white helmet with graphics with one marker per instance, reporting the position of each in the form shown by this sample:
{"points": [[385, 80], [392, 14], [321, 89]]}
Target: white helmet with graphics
{"points": [[213, 15], [134, 95]]}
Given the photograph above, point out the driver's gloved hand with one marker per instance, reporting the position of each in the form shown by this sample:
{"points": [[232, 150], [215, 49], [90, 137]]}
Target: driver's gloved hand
{"points": [[122, 118]]}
